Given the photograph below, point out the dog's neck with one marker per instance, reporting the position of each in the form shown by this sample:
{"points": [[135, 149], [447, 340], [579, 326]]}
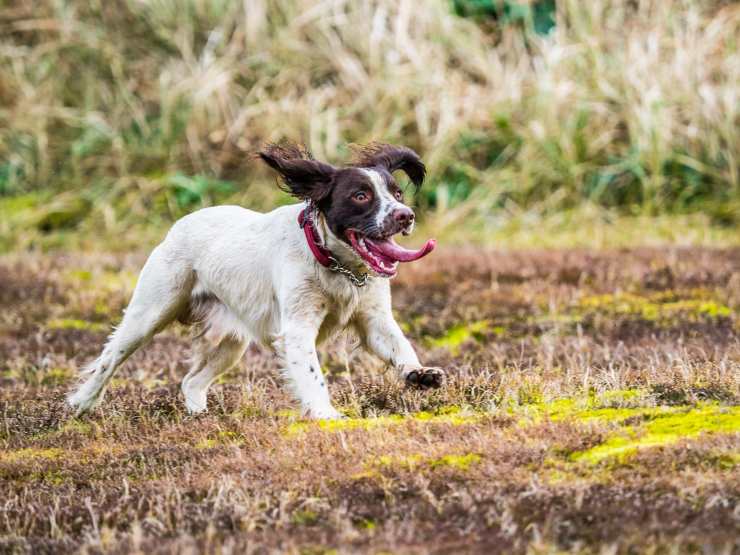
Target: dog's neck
{"points": [[338, 248]]}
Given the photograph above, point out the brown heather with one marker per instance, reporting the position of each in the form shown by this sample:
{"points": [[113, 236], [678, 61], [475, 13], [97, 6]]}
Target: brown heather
{"points": [[472, 471], [593, 395]]}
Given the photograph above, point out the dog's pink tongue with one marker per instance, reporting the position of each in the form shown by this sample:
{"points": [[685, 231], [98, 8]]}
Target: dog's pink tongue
{"points": [[396, 252]]}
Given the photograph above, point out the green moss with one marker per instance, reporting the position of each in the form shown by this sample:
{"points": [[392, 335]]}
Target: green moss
{"points": [[410, 462], [656, 308], [367, 524], [30, 454], [460, 462], [75, 324], [529, 393], [583, 410], [727, 461], [459, 334], [446, 415], [557, 409], [124, 280], [62, 212], [612, 405], [56, 376], [556, 471], [20, 206], [536, 410], [71, 426], [318, 550], [635, 427], [207, 443], [714, 309], [50, 477], [105, 282], [664, 427], [84, 276], [305, 517], [351, 423]]}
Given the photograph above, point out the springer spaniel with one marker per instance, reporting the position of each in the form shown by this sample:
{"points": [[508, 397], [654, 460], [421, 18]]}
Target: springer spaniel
{"points": [[286, 279]]}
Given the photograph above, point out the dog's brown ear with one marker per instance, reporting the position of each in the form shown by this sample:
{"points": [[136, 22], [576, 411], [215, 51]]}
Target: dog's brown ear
{"points": [[304, 177], [392, 158]]}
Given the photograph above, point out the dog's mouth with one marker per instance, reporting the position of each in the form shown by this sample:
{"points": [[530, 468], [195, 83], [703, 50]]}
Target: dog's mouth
{"points": [[382, 254]]}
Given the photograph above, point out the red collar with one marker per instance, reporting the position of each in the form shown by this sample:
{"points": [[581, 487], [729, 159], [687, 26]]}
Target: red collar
{"points": [[322, 255]]}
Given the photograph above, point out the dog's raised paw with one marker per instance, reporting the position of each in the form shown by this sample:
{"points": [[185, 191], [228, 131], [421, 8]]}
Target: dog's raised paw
{"points": [[425, 377]]}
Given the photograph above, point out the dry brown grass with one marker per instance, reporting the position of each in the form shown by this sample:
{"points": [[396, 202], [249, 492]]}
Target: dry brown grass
{"points": [[642, 328], [118, 117]]}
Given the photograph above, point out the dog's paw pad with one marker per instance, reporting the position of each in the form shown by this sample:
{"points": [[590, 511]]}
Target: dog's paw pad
{"points": [[425, 378]]}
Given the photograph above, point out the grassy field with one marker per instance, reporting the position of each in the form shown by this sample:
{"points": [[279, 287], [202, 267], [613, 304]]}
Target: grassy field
{"points": [[592, 406], [582, 180]]}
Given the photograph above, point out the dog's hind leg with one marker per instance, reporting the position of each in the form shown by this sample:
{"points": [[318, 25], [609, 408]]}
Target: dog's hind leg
{"points": [[162, 290], [209, 361]]}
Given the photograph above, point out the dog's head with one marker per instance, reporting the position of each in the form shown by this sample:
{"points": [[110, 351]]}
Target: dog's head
{"points": [[362, 203]]}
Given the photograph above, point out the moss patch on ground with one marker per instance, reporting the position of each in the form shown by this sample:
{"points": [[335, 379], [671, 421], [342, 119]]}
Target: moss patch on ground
{"points": [[663, 426], [663, 307], [445, 415], [460, 333], [595, 405], [455, 461], [29, 454], [76, 324], [638, 421]]}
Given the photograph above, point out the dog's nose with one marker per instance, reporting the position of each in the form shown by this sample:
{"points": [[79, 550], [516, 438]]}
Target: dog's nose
{"points": [[403, 216]]}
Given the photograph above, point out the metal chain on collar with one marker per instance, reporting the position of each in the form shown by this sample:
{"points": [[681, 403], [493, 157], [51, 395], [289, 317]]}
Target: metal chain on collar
{"points": [[335, 265]]}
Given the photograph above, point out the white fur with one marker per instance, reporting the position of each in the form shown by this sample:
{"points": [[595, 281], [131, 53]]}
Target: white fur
{"points": [[268, 288]]}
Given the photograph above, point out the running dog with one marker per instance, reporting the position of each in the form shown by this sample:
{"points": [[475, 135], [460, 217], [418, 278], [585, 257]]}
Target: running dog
{"points": [[286, 279]]}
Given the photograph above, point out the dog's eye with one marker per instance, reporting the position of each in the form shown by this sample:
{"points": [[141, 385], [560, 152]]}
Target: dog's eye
{"points": [[399, 195], [361, 196]]}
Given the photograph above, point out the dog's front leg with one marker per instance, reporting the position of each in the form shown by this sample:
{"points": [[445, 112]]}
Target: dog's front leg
{"points": [[383, 336], [301, 323]]}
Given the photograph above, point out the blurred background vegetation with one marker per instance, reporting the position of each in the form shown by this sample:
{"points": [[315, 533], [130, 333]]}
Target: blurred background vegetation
{"points": [[541, 122]]}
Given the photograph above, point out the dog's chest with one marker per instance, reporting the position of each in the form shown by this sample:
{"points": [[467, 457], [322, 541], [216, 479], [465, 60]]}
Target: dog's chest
{"points": [[343, 300]]}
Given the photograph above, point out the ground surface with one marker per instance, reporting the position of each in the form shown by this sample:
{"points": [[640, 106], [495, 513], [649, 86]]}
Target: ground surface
{"points": [[592, 405]]}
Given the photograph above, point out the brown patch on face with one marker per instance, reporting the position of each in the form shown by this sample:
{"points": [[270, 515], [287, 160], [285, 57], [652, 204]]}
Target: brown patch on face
{"points": [[391, 158], [347, 196], [352, 204], [304, 177]]}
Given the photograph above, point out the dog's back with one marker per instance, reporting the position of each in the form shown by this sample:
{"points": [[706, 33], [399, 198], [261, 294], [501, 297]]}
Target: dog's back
{"points": [[217, 268]]}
